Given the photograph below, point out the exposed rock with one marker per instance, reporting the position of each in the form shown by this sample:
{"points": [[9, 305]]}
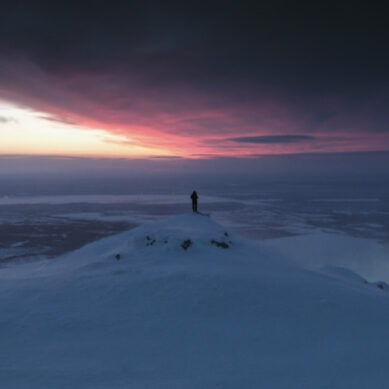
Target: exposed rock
{"points": [[223, 245], [382, 285], [186, 244]]}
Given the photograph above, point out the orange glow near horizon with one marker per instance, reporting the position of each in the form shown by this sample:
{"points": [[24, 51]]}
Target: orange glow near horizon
{"points": [[28, 132], [25, 131]]}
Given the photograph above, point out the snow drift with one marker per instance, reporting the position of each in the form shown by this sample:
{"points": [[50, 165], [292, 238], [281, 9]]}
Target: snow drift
{"points": [[184, 303]]}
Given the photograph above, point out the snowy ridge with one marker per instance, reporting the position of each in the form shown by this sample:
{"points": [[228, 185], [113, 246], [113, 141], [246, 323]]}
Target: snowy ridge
{"points": [[187, 240], [167, 240], [187, 232], [143, 310]]}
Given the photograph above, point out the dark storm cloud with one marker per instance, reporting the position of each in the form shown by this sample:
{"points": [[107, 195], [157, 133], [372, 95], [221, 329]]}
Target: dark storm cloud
{"points": [[299, 43], [319, 67], [273, 139]]}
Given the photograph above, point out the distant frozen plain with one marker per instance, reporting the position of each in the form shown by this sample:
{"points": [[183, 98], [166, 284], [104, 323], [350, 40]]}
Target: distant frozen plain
{"points": [[38, 227]]}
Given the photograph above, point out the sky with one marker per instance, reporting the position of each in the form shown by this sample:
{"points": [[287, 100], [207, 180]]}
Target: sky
{"points": [[146, 80]]}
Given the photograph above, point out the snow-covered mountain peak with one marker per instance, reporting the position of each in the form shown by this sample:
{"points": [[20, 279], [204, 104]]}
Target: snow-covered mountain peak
{"points": [[181, 233], [171, 240], [143, 309]]}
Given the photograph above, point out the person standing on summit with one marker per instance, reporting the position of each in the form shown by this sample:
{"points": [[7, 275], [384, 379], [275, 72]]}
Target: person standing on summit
{"points": [[194, 198]]}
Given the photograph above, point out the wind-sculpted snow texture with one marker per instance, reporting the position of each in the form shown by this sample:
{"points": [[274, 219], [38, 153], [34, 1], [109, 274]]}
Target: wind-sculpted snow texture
{"points": [[140, 310]]}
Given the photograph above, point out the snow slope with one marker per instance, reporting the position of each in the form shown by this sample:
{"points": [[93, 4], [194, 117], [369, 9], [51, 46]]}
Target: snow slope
{"points": [[222, 313], [319, 249]]}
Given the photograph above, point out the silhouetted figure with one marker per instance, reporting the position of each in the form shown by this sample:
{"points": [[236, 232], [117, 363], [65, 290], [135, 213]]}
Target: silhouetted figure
{"points": [[194, 198]]}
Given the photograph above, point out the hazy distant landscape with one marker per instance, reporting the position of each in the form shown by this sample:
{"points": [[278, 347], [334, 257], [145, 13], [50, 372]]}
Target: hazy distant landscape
{"points": [[45, 226]]}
